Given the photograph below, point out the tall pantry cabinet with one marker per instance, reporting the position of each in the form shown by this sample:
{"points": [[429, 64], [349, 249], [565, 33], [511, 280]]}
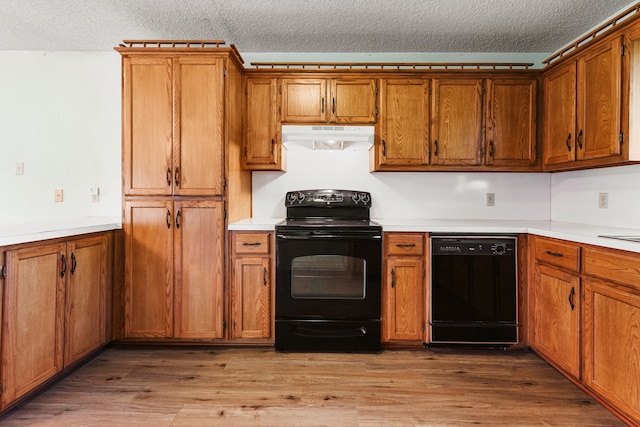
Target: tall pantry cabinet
{"points": [[181, 184]]}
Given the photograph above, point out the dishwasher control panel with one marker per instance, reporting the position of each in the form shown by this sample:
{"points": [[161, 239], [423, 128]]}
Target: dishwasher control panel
{"points": [[473, 246]]}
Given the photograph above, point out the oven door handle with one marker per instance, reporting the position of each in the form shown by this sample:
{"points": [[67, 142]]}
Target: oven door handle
{"points": [[341, 236]]}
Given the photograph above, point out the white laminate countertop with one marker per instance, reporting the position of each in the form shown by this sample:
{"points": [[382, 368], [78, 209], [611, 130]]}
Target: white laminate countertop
{"points": [[32, 232], [580, 233]]}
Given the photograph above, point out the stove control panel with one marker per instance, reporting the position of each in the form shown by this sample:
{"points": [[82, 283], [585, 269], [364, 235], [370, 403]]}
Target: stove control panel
{"points": [[312, 198]]}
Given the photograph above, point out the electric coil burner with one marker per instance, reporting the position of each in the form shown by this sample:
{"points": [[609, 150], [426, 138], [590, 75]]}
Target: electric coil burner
{"points": [[328, 273]]}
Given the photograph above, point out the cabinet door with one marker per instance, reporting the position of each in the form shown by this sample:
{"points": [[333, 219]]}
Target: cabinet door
{"points": [[511, 123], [262, 149], [557, 318], [199, 131], [199, 263], [85, 297], [599, 102], [404, 306], [251, 298], [457, 122], [611, 342], [148, 125], [32, 330], [148, 233], [353, 101], [404, 118], [304, 101], [559, 115]]}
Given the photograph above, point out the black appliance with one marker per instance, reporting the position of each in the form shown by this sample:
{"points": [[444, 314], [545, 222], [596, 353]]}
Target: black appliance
{"points": [[474, 290], [328, 273]]}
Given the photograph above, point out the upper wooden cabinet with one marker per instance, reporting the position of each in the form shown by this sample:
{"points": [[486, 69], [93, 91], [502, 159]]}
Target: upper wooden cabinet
{"points": [[457, 122], [583, 109], [263, 148], [403, 135], [173, 125], [318, 101], [510, 117]]}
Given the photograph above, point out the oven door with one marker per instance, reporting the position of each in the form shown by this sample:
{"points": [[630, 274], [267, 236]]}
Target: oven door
{"points": [[328, 274]]}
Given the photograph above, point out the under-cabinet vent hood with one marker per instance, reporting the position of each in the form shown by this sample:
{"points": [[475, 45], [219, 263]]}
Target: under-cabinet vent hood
{"points": [[327, 137]]}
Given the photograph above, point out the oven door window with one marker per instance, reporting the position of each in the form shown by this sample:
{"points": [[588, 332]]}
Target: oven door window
{"points": [[328, 277]]}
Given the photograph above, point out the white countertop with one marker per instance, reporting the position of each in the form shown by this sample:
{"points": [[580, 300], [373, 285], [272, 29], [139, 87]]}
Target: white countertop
{"points": [[32, 232], [580, 233]]}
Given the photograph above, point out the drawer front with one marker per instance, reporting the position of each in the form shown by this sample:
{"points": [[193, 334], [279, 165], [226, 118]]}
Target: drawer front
{"points": [[612, 265], [559, 253], [404, 243], [251, 243]]}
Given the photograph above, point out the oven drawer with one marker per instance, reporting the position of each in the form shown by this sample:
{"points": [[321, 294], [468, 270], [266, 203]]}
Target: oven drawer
{"points": [[404, 243], [559, 253], [251, 243]]}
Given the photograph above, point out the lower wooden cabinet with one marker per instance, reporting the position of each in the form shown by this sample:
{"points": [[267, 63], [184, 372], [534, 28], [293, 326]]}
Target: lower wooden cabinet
{"points": [[404, 289], [251, 286], [557, 318], [54, 309], [174, 278]]}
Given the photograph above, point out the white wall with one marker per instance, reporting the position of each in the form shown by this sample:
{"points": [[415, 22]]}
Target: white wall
{"points": [[435, 195], [574, 196], [60, 116]]}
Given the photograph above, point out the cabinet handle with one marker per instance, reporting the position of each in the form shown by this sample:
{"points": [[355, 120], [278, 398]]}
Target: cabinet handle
{"points": [[384, 148], [393, 278], [555, 254], [74, 263], [572, 295], [491, 149], [176, 177], [406, 245], [63, 259], [168, 218], [264, 276], [251, 244], [273, 144], [322, 105], [435, 143], [579, 139], [333, 105], [178, 215], [568, 142], [169, 177]]}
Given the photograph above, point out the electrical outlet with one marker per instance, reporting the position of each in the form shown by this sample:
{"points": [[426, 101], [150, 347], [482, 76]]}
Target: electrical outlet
{"points": [[19, 168], [95, 194], [603, 200], [491, 199], [58, 195]]}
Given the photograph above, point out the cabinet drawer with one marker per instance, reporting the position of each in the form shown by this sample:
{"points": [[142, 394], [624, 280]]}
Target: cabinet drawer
{"points": [[251, 243], [404, 243], [558, 253], [612, 265]]}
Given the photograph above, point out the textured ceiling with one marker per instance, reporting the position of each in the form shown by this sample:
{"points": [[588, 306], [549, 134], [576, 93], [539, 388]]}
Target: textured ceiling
{"points": [[341, 26]]}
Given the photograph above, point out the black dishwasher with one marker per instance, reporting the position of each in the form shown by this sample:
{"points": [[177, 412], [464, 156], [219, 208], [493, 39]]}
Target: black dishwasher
{"points": [[474, 290]]}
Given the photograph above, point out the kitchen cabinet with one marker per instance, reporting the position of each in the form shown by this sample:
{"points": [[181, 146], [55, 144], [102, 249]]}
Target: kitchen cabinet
{"points": [[404, 289], [173, 116], [457, 122], [251, 286], [611, 327], [346, 101], [556, 304], [54, 310], [403, 128], [583, 109], [263, 149], [510, 116], [174, 269]]}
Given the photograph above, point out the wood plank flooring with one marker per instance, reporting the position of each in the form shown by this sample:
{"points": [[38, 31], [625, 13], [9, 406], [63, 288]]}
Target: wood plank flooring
{"points": [[256, 386]]}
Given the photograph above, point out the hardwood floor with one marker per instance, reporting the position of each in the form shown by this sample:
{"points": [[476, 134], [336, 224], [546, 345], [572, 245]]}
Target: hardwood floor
{"points": [[257, 386]]}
